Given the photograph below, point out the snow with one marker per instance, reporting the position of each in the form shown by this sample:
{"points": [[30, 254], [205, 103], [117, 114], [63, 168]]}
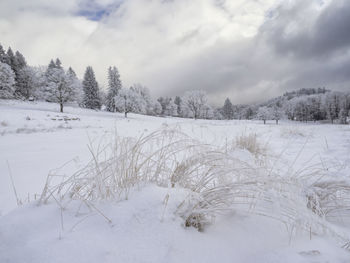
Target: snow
{"points": [[36, 139]]}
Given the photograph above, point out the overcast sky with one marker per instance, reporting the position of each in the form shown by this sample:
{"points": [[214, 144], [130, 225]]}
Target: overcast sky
{"points": [[247, 50]]}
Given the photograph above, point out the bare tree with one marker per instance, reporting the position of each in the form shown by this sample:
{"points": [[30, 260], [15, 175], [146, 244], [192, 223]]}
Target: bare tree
{"points": [[196, 101]]}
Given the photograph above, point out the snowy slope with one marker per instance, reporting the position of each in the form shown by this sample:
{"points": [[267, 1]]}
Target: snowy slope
{"points": [[35, 139]]}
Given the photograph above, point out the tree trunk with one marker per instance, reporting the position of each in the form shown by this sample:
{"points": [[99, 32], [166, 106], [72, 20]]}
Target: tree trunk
{"points": [[61, 107], [126, 114], [276, 122], [264, 121]]}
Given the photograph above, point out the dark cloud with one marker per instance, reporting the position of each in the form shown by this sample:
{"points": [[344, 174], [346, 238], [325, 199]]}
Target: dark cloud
{"points": [[303, 45], [302, 31]]}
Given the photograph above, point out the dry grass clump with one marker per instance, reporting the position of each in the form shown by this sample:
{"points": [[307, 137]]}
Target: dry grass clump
{"points": [[250, 143], [217, 182], [129, 162]]}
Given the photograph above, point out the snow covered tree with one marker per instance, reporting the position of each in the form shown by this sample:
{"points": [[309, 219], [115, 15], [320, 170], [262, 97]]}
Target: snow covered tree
{"points": [[10, 58], [178, 103], [217, 114], [58, 63], [75, 85], [169, 108], [344, 109], [19, 65], [227, 110], [157, 108], [20, 61], [2, 55], [264, 113], [195, 101], [343, 115], [276, 113], [332, 105], [91, 98], [207, 112], [60, 86], [314, 103], [26, 83], [114, 85], [128, 100], [7, 81], [144, 98]]}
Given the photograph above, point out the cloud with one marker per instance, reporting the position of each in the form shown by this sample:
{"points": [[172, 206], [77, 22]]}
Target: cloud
{"points": [[247, 50]]}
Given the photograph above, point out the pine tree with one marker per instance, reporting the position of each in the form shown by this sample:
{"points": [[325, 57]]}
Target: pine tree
{"points": [[227, 110], [51, 64], [75, 85], [91, 98], [22, 78], [2, 55], [7, 81], [178, 103], [26, 82], [114, 86], [10, 58], [20, 61], [58, 63]]}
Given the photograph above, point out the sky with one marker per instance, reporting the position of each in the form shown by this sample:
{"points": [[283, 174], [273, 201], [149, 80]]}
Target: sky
{"points": [[247, 50]]}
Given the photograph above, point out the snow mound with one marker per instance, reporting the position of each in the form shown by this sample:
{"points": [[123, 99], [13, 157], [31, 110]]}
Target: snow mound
{"points": [[145, 229]]}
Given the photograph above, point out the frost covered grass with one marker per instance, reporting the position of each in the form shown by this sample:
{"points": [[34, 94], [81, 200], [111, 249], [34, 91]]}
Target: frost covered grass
{"points": [[216, 180], [251, 143]]}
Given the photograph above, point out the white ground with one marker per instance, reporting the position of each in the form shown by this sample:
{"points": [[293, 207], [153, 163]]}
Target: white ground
{"points": [[35, 139]]}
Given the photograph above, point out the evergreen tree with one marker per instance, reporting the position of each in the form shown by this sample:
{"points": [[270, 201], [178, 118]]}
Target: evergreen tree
{"points": [[51, 65], [10, 58], [91, 98], [20, 61], [23, 76], [114, 86], [178, 103], [75, 85], [3, 56], [26, 82], [227, 110], [58, 63], [157, 108], [7, 81]]}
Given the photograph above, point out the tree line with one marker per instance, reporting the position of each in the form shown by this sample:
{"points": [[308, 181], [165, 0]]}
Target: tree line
{"points": [[53, 83], [314, 104]]}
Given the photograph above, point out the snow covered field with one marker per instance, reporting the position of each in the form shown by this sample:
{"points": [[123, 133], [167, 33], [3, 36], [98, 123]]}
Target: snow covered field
{"points": [[37, 140]]}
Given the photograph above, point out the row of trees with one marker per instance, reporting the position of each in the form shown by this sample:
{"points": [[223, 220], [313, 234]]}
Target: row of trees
{"points": [[55, 84], [52, 83], [302, 105]]}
